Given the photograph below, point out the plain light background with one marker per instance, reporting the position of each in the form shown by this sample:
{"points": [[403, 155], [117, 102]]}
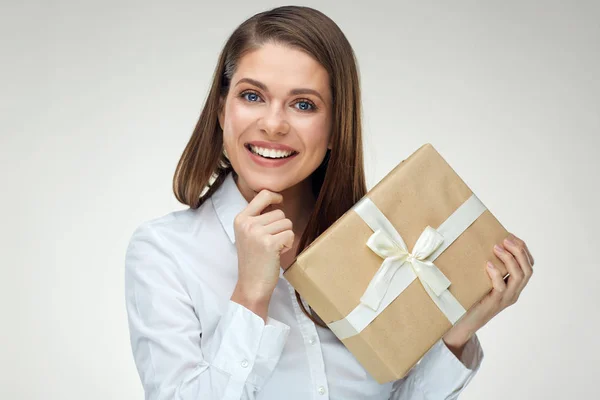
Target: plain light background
{"points": [[99, 99]]}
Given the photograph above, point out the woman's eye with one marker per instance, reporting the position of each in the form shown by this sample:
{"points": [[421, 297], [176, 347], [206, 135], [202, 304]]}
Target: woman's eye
{"points": [[306, 105], [250, 96]]}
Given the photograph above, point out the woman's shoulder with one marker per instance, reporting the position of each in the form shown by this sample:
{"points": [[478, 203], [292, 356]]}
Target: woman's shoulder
{"points": [[179, 224], [182, 228]]}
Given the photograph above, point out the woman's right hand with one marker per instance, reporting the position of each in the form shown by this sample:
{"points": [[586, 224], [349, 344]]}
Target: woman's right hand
{"points": [[260, 240]]}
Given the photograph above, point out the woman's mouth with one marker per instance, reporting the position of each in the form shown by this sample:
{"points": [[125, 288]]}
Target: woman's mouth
{"points": [[269, 157], [270, 154]]}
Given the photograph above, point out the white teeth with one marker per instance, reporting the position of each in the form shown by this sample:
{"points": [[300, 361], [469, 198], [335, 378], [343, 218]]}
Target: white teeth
{"points": [[270, 153]]}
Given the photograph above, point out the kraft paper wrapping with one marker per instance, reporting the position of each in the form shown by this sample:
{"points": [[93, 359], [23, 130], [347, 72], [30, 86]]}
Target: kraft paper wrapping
{"points": [[334, 271]]}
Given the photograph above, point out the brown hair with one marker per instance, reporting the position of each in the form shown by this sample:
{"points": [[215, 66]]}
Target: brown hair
{"points": [[339, 182]]}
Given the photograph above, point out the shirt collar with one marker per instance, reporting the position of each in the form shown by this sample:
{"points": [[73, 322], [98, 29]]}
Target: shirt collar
{"points": [[228, 202]]}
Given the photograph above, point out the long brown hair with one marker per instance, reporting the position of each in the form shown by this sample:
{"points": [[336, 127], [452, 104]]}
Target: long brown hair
{"points": [[339, 182]]}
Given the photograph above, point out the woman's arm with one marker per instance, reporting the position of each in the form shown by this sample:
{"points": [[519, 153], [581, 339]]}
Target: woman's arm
{"points": [[165, 333], [440, 374]]}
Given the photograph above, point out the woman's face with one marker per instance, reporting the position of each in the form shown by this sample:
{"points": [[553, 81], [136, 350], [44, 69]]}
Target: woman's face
{"points": [[279, 98]]}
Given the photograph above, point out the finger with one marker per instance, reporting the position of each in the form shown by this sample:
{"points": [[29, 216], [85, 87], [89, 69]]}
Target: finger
{"points": [[269, 217], [529, 255], [278, 226], [531, 260], [519, 253], [261, 201], [521, 242], [498, 284], [516, 274], [285, 240]]}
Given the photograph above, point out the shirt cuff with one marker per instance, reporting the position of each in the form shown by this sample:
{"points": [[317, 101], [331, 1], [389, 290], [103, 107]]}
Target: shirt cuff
{"points": [[441, 374], [245, 346]]}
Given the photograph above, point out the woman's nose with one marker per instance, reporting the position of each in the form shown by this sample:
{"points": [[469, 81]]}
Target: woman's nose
{"points": [[274, 121]]}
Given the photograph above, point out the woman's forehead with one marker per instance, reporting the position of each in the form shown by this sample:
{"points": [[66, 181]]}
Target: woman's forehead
{"points": [[282, 67]]}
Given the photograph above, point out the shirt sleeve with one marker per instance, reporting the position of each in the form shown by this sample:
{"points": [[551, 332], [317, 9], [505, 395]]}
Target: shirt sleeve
{"points": [[439, 374], [165, 333]]}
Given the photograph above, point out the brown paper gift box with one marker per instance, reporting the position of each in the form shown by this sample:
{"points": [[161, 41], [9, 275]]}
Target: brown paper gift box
{"points": [[334, 271]]}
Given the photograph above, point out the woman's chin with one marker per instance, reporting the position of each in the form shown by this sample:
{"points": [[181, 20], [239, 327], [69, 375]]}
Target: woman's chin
{"points": [[256, 183], [272, 182], [277, 188]]}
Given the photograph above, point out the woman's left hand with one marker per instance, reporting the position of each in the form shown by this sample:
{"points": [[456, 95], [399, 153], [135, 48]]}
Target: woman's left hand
{"points": [[519, 262]]}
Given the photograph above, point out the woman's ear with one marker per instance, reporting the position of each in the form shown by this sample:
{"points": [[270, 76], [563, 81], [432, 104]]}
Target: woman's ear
{"points": [[221, 113]]}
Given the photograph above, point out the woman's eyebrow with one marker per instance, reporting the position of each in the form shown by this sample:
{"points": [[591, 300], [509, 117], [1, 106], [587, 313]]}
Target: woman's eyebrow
{"points": [[262, 86]]}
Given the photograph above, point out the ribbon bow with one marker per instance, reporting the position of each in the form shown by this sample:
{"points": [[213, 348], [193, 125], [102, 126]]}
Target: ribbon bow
{"points": [[396, 256]]}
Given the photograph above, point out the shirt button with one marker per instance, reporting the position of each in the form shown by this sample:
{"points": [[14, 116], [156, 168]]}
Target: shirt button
{"points": [[312, 340], [321, 390], [244, 363]]}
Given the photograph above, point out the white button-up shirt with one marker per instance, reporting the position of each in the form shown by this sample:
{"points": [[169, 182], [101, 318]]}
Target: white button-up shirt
{"points": [[191, 342]]}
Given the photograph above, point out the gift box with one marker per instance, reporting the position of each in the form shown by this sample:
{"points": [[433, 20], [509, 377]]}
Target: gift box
{"points": [[395, 272]]}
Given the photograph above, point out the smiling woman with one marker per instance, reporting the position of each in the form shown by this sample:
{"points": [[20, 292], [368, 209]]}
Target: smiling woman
{"points": [[275, 158], [273, 99]]}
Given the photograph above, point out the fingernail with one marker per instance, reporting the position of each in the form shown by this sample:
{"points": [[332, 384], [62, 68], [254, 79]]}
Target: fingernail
{"points": [[498, 248], [490, 265], [509, 241]]}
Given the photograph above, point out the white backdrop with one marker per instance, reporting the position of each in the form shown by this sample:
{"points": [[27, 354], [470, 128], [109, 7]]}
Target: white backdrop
{"points": [[99, 99]]}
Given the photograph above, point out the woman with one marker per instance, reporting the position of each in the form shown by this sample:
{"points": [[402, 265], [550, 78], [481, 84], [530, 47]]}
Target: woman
{"points": [[278, 145]]}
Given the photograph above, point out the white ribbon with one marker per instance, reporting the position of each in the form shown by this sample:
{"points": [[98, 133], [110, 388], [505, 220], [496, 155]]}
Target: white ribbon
{"points": [[401, 267], [395, 256]]}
